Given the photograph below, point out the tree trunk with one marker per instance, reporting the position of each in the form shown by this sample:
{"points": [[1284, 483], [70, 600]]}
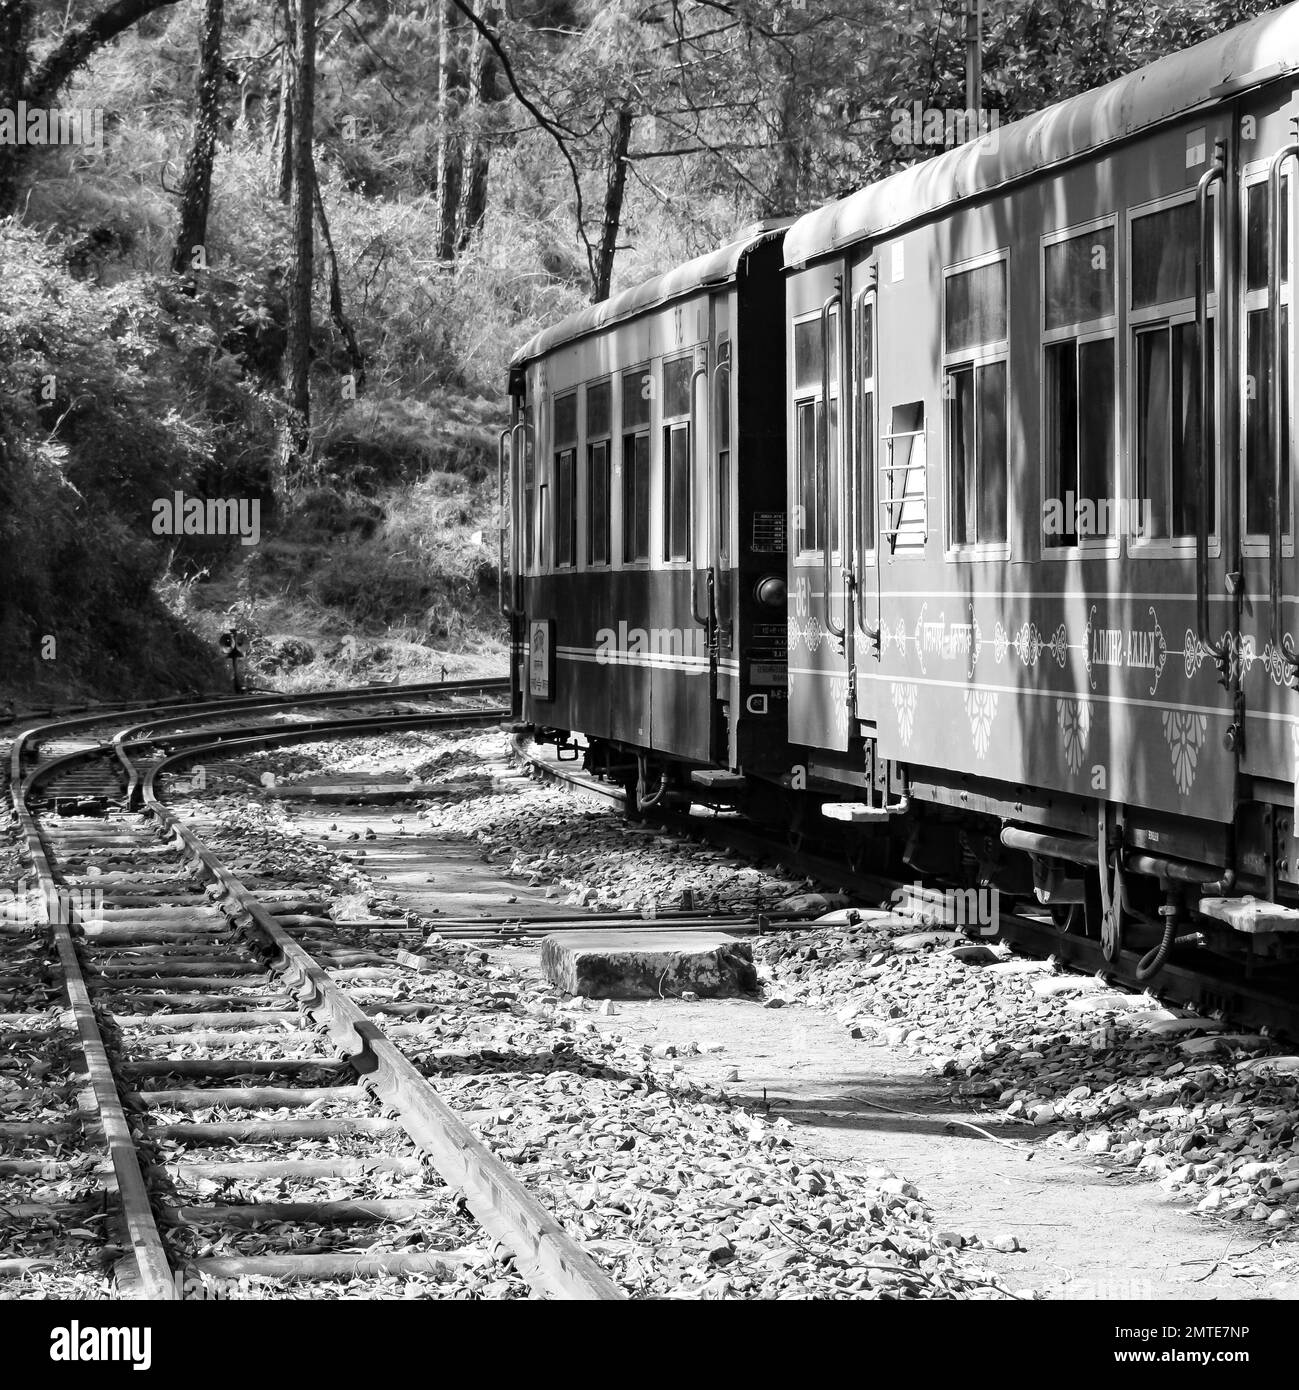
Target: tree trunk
{"points": [[15, 36], [336, 311], [282, 149], [301, 210], [196, 186], [484, 91], [619, 143], [453, 84]]}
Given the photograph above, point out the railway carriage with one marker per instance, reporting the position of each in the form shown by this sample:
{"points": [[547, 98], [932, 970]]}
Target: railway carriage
{"points": [[1013, 427], [1042, 571], [646, 536]]}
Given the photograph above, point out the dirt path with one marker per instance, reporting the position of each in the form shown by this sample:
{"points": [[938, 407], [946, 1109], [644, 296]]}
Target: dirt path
{"points": [[1085, 1233], [1087, 1230]]}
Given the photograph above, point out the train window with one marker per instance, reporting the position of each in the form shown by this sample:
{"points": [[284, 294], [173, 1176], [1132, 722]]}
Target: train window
{"points": [[1259, 475], [976, 306], [676, 454], [1080, 420], [722, 418], [599, 418], [1258, 234], [976, 451], [565, 508], [637, 387], [810, 447], [565, 420], [1078, 378], [598, 410], [807, 355], [975, 389], [1259, 480], [1165, 247], [1167, 364], [677, 387], [565, 545], [1078, 278]]}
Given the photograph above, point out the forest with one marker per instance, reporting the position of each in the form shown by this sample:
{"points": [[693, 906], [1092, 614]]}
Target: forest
{"points": [[280, 253]]}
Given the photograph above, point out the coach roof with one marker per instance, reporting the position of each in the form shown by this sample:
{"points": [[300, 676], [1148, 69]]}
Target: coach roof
{"points": [[1243, 57], [716, 268]]}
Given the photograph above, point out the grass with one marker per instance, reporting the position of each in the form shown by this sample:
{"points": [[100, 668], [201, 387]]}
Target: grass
{"points": [[350, 589]]}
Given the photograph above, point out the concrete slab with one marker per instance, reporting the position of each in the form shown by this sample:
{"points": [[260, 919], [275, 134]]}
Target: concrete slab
{"points": [[644, 963]]}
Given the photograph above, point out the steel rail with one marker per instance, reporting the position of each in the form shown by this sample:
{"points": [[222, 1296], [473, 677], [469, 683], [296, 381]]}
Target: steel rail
{"points": [[184, 709], [552, 1262], [250, 736], [156, 1279]]}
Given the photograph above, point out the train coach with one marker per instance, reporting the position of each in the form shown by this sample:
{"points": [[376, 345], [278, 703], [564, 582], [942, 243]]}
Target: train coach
{"points": [[1042, 574], [1014, 428], [644, 559]]}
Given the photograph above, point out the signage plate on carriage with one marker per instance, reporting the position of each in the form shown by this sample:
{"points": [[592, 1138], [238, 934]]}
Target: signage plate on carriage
{"points": [[769, 533], [541, 658]]}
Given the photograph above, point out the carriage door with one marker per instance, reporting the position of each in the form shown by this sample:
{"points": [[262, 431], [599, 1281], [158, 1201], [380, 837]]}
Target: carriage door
{"points": [[1265, 431], [862, 494]]}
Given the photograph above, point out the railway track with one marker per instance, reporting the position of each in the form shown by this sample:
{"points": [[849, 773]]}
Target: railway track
{"points": [[1220, 989], [210, 1015]]}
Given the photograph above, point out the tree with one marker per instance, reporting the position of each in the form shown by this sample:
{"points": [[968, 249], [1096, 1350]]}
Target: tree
{"points": [[297, 357], [39, 86], [196, 185]]}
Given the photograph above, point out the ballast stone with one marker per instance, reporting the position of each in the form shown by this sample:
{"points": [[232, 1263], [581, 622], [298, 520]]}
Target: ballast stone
{"points": [[628, 963]]}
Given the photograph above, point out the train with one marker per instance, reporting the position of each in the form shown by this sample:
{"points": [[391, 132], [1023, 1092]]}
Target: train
{"points": [[952, 523]]}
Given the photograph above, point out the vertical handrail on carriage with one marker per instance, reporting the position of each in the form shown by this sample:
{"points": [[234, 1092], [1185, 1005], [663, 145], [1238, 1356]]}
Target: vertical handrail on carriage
{"points": [[506, 609], [704, 619], [722, 498], [1216, 173], [868, 297], [517, 508], [832, 475], [1280, 642]]}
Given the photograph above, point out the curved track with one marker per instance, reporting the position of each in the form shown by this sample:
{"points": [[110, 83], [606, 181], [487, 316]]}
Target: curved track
{"points": [[211, 1003]]}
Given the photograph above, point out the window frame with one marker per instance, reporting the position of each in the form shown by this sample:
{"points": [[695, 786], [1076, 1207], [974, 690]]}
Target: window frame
{"points": [[1085, 331], [804, 556], [1168, 314], [568, 448], [981, 355], [626, 514], [667, 426], [1255, 544], [591, 441]]}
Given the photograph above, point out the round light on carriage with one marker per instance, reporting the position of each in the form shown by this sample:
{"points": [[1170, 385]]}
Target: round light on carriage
{"points": [[771, 591]]}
